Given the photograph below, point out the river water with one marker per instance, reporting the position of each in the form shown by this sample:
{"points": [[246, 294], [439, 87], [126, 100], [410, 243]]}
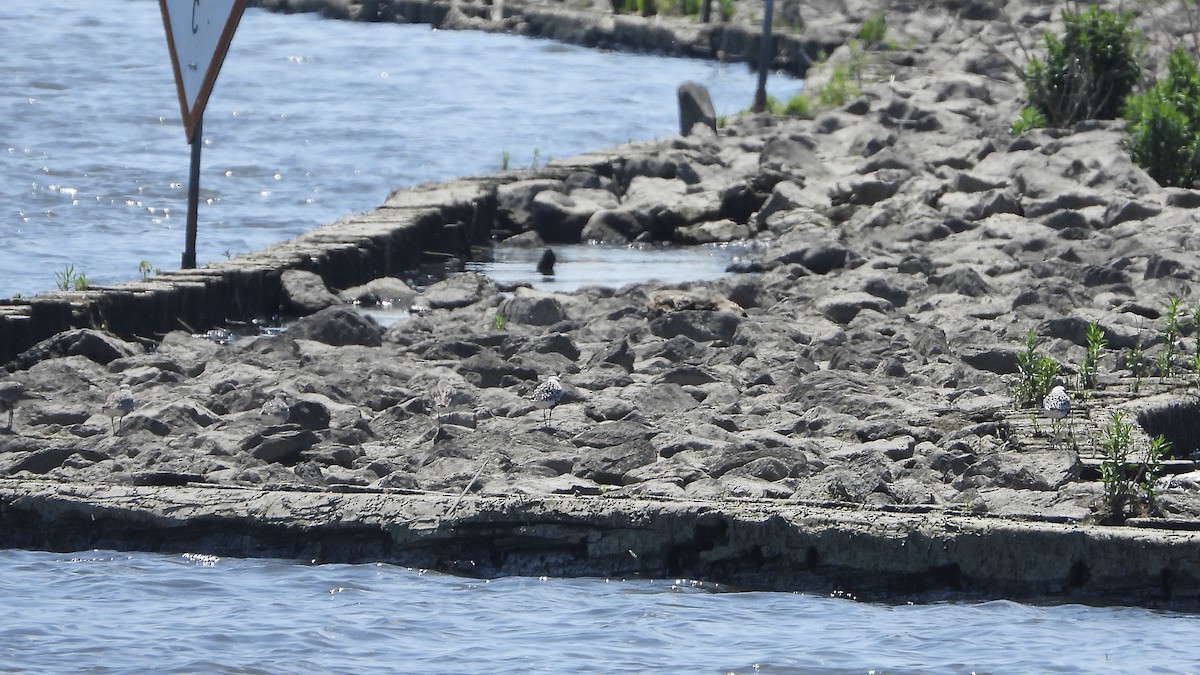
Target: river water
{"points": [[107, 612], [311, 120]]}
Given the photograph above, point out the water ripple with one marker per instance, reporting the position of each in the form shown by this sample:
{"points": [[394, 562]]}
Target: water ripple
{"points": [[110, 612]]}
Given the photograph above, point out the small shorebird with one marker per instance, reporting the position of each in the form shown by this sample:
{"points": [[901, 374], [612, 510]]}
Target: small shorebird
{"points": [[10, 393], [1057, 405], [546, 396], [443, 397], [119, 404], [276, 410]]}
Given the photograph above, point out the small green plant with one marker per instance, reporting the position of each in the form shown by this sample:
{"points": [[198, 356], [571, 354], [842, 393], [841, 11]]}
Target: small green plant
{"points": [[537, 159], [1164, 124], [1196, 329], [725, 9], [1088, 72], [1035, 374], [500, 322], [1090, 365], [145, 269], [68, 278], [874, 29], [1116, 445], [1135, 361], [839, 89], [689, 7], [1028, 119], [1153, 465], [505, 158], [799, 106], [1121, 473], [1171, 331]]}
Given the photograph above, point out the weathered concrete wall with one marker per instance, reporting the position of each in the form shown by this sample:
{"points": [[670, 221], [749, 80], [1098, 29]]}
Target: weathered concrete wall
{"points": [[390, 240], [866, 552]]}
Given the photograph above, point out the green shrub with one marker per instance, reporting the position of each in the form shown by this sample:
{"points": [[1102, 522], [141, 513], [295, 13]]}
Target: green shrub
{"points": [[874, 29], [1029, 118], [1089, 71], [798, 106], [1035, 374], [726, 9], [839, 89], [1123, 472], [690, 7], [1164, 124]]}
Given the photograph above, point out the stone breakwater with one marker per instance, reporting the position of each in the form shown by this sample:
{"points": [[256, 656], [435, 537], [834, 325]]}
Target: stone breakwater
{"points": [[869, 553], [836, 415]]}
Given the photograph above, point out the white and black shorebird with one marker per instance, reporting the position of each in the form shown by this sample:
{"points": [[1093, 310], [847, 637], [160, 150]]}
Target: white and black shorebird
{"points": [[546, 396], [10, 393], [1057, 405], [276, 410], [119, 404]]}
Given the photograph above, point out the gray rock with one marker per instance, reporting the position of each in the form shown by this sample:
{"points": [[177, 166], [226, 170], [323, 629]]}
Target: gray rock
{"points": [[338, 326], [695, 107], [94, 345], [460, 290], [305, 292], [533, 308]]}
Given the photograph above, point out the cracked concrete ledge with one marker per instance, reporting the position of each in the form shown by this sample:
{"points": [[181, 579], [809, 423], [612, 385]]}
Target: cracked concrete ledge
{"points": [[872, 554]]}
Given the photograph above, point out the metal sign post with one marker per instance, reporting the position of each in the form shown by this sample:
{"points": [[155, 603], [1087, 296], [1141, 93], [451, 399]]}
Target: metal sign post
{"points": [[198, 37]]}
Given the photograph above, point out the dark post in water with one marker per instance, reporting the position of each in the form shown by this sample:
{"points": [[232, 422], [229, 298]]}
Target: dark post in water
{"points": [[189, 247], [764, 59]]}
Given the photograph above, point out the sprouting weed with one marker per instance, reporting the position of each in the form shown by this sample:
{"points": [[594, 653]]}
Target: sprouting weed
{"points": [[1171, 331], [1035, 374], [1121, 473], [1135, 361], [1090, 365]]}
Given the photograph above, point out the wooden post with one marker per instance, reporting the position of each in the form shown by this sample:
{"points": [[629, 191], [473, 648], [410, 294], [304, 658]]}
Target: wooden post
{"points": [[764, 59], [189, 248]]}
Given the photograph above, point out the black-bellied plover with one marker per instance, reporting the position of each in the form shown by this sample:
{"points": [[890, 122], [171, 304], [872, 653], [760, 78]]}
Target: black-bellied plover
{"points": [[1057, 405], [119, 404], [546, 396], [276, 410], [10, 393]]}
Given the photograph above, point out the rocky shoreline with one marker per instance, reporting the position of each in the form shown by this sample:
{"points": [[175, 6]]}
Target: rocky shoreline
{"points": [[836, 416]]}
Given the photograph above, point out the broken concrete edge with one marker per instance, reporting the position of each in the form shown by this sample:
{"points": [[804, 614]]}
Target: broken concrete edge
{"points": [[391, 240], [852, 551]]}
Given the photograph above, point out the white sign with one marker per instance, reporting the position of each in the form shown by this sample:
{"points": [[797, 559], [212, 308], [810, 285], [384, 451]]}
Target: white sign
{"points": [[198, 36]]}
